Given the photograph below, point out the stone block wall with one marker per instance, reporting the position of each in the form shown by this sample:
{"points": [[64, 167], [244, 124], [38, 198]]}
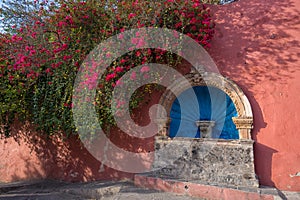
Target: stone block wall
{"points": [[228, 163]]}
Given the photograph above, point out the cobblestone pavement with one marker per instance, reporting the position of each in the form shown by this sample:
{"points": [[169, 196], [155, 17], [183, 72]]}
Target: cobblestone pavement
{"points": [[48, 190]]}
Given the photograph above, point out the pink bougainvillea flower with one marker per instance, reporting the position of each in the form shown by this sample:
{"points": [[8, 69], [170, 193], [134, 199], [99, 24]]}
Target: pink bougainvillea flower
{"points": [[108, 55], [141, 43], [121, 36], [16, 66], [61, 24], [11, 78], [122, 60], [133, 76], [179, 24], [33, 35], [48, 70], [131, 15], [28, 48], [70, 22], [22, 58], [110, 76], [134, 40], [65, 58], [140, 25], [145, 59], [119, 69], [193, 20], [65, 46], [14, 37], [145, 69], [32, 52], [194, 28], [119, 83], [69, 18], [195, 5], [175, 33], [138, 53], [120, 104], [205, 22]]}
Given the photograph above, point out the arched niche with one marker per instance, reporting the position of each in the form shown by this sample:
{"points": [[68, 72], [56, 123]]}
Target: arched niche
{"points": [[243, 121]]}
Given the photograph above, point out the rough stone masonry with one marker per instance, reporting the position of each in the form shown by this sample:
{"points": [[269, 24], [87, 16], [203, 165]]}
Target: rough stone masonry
{"points": [[228, 163]]}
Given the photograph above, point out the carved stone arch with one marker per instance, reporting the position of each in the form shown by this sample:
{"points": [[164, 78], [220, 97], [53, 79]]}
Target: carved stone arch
{"points": [[243, 121]]}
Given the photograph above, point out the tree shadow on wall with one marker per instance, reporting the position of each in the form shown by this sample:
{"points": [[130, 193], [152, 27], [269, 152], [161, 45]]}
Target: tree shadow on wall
{"points": [[255, 37], [256, 45], [67, 158], [54, 157]]}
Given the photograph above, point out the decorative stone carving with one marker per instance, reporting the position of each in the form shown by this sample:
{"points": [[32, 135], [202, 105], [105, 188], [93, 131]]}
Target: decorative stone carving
{"points": [[194, 77], [162, 125], [205, 127], [244, 125], [238, 97], [243, 122]]}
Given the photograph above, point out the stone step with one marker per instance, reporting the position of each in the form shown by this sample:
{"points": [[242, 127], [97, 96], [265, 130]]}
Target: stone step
{"points": [[196, 189]]}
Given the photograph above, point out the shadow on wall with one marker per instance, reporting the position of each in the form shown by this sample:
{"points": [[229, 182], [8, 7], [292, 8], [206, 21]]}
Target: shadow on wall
{"points": [[28, 155], [256, 46], [53, 157], [265, 166], [255, 37]]}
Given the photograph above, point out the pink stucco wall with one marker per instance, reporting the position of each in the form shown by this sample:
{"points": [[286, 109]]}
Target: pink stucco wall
{"points": [[257, 44]]}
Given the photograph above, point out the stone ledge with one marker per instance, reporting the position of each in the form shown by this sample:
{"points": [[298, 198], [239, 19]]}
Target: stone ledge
{"points": [[194, 189], [205, 140]]}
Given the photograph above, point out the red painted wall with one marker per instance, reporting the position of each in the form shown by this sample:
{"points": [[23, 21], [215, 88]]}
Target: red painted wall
{"points": [[256, 45]]}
